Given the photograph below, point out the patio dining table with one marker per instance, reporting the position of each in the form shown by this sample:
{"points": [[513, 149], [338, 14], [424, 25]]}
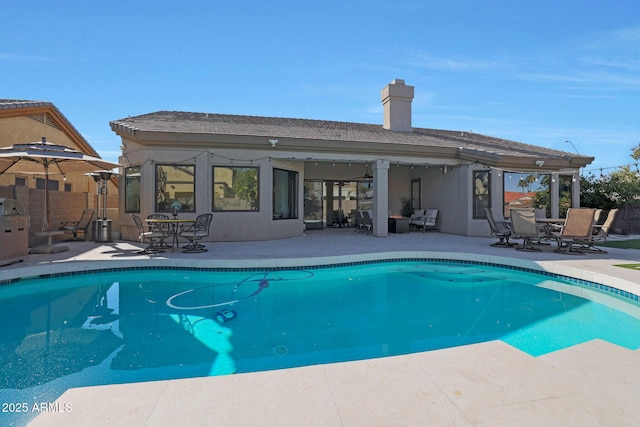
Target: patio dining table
{"points": [[174, 227], [549, 224]]}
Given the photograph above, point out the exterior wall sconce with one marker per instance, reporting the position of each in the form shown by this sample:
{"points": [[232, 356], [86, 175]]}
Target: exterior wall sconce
{"points": [[273, 142]]}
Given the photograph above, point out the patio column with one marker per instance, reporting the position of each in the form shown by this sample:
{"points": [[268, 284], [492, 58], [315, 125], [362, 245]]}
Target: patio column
{"points": [[380, 198], [575, 190], [554, 195]]}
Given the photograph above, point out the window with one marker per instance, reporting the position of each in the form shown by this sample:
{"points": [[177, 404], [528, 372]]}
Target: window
{"points": [[132, 189], [416, 194], [235, 188], [54, 185], [481, 193], [67, 188], [20, 181], [285, 194], [525, 190], [175, 188]]}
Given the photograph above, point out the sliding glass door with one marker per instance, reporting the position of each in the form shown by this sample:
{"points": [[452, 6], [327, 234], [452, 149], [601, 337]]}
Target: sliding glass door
{"points": [[333, 203]]}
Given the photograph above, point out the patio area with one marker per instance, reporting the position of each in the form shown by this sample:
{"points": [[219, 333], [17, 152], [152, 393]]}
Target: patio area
{"points": [[492, 383]]}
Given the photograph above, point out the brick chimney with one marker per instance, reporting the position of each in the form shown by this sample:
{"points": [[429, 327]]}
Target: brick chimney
{"points": [[396, 100]]}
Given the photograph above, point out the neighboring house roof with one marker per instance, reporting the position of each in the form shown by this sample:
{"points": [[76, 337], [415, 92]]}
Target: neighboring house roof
{"points": [[49, 114], [456, 144], [53, 116], [514, 197]]}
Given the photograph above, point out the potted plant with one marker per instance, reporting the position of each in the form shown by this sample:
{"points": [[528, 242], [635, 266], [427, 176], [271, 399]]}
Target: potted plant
{"points": [[407, 209]]}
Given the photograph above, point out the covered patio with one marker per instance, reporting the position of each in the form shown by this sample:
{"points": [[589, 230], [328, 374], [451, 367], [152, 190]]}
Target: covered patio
{"points": [[266, 178]]}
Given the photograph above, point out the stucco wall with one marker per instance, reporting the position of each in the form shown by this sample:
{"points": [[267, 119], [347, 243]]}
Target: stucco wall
{"points": [[225, 226], [447, 193]]}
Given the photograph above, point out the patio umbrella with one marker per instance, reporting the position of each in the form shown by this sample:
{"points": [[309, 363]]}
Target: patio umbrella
{"points": [[43, 156]]}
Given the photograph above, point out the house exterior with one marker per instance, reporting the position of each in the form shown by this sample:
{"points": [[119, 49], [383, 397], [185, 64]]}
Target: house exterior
{"points": [[23, 121], [267, 178]]}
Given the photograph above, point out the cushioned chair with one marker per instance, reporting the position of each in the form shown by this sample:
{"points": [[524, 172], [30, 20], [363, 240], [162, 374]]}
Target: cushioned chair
{"points": [[152, 237], [415, 217], [523, 225], [576, 231], [79, 226], [197, 232], [499, 228], [428, 220]]}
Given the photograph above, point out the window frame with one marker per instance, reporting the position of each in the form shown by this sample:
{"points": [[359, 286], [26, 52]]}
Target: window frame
{"points": [[127, 177], [184, 207], [256, 205], [292, 181], [477, 200]]}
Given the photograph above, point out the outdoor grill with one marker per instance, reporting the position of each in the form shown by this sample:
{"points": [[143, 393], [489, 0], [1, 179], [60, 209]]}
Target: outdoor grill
{"points": [[14, 231]]}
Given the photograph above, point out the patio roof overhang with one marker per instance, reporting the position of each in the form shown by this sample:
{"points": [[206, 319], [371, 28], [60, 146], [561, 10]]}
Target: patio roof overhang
{"points": [[525, 161], [304, 146]]}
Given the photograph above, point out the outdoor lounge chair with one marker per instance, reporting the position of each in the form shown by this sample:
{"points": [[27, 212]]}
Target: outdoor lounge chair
{"points": [[523, 225], [153, 237], [577, 230], [428, 221], [81, 225], [600, 233], [196, 232], [500, 229]]}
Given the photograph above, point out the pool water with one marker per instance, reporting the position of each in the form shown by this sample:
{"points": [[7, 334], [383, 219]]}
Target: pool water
{"points": [[143, 325]]}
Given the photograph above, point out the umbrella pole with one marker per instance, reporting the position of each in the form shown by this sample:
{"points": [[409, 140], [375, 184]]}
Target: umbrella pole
{"points": [[47, 213]]}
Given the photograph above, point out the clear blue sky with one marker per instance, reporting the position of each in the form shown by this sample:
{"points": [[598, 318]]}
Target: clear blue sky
{"points": [[540, 72]]}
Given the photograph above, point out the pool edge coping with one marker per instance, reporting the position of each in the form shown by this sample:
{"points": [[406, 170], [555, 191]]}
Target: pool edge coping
{"points": [[77, 266]]}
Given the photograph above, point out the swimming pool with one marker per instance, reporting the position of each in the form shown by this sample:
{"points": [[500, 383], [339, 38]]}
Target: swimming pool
{"points": [[142, 325]]}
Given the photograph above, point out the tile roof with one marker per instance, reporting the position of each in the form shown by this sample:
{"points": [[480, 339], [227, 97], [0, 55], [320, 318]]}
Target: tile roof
{"points": [[6, 104], [60, 120], [275, 127]]}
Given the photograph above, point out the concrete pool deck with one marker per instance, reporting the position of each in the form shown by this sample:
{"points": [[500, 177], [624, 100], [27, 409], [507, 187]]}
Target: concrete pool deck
{"points": [[595, 383]]}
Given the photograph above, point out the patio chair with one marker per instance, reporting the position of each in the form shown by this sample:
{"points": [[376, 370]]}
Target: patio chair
{"points": [[500, 229], [339, 219], [600, 233], [577, 230], [428, 221], [523, 225], [540, 212], [164, 228], [152, 237], [364, 221], [416, 216], [368, 220], [81, 225], [196, 232]]}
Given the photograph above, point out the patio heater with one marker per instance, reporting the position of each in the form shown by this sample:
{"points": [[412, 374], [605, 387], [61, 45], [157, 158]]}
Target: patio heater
{"points": [[102, 224]]}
